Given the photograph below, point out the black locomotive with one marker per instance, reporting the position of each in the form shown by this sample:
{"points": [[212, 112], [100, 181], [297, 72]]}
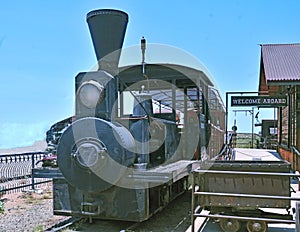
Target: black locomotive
{"points": [[137, 133]]}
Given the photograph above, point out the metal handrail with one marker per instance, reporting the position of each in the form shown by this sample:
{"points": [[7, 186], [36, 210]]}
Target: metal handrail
{"points": [[221, 153], [295, 159], [273, 220], [19, 166], [296, 150], [226, 148], [241, 195], [201, 171], [21, 154]]}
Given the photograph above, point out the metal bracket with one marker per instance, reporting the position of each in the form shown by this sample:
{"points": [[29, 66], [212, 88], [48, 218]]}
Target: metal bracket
{"points": [[90, 208]]}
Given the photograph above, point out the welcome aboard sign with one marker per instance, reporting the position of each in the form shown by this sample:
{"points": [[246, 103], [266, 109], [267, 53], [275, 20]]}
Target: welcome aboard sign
{"points": [[260, 101]]}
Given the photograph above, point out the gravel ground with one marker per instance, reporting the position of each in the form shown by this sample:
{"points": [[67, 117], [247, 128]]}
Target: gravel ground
{"points": [[28, 211]]}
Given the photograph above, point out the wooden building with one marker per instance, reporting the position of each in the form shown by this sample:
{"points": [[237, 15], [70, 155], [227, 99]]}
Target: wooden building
{"points": [[280, 76]]}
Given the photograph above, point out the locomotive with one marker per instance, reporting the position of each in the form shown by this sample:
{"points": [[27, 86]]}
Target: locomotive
{"points": [[138, 131]]}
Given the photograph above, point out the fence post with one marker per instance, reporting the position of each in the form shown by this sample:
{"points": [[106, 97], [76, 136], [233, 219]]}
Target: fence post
{"points": [[32, 167], [297, 217], [193, 203]]}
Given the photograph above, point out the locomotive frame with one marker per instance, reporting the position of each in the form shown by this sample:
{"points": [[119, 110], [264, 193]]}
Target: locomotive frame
{"points": [[127, 166]]}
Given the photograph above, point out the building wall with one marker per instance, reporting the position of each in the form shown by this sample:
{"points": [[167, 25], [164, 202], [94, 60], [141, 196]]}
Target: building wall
{"points": [[289, 125], [283, 118], [297, 101]]}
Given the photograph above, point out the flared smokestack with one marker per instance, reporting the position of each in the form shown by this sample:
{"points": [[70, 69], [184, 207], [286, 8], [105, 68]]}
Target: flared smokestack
{"points": [[107, 28]]}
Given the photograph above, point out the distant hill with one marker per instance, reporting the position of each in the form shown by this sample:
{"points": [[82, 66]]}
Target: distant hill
{"points": [[37, 146]]}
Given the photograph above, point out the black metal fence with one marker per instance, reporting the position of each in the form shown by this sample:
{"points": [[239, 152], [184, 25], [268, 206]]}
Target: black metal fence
{"points": [[16, 171]]}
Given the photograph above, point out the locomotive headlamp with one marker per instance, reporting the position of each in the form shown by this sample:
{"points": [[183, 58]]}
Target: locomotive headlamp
{"points": [[90, 93]]}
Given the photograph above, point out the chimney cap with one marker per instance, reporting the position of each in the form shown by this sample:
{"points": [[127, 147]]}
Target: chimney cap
{"points": [[107, 12]]}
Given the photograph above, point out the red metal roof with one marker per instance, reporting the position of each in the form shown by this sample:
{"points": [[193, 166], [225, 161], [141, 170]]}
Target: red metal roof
{"points": [[281, 62]]}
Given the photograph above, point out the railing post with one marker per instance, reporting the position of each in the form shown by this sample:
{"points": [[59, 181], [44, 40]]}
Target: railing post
{"points": [[297, 216], [193, 203], [32, 167]]}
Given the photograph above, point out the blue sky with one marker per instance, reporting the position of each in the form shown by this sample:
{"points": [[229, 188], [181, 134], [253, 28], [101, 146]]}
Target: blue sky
{"points": [[44, 44]]}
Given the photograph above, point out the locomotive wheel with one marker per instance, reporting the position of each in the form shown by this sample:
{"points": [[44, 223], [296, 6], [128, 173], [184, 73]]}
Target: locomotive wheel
{"points": [[256, 226], [230, 225]]}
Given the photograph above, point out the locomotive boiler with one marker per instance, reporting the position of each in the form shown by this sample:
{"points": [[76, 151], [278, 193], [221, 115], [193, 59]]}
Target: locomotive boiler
{"points": [[139, 130]]}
